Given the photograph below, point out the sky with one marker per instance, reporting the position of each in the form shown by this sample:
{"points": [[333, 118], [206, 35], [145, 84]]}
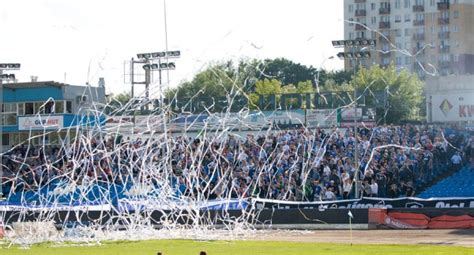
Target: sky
{"points": [[79, 41]]}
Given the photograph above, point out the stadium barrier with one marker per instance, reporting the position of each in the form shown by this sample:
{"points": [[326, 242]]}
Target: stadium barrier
{"points": [[264, 213], [460, 218]]}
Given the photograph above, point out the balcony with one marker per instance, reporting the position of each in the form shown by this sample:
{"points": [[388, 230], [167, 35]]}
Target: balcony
{"points": [[443, 21], [360, 1], [360, 13], [419, 22], [444, 64], [444, 49], [384, 39], [385, 10], [384, 24], [385, 54], [443, 35], [419, 36], [418, 8], [419, 50], [359, 27], [443, 5], [418, 65]]}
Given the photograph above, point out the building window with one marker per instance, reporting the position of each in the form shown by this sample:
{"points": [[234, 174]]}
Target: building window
{"points": [[398, 61], [49, 107], [21, 109], [419, 17], [398, 18], [68, 107], [407, 60], [432, 2], [456, 58], [372, 6], [58, 107], [445, 15], [29, 109], [8, 114], [350, 35], [432, 30], [407, 4], [407, 18], [373, 20], [351, 22], [407, 32], [351, 8], [397, 4], [39, 108], [398, 32], [419, 2], [360, 6], [455, 29], [456, 14], [5, 139]]}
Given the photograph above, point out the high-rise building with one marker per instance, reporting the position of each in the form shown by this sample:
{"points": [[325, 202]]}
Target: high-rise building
{"points": [[423, 36]]}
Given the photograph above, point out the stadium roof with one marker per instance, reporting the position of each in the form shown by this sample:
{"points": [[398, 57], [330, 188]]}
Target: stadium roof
{"points": [[33, 84]]}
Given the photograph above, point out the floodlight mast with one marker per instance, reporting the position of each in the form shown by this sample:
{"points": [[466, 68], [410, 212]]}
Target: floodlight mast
{"points": [[356, 55], [149, 65], [5, 77]]}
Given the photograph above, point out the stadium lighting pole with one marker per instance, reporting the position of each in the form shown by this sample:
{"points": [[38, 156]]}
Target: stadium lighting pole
{"points": [[355, 54], [6, 77]]}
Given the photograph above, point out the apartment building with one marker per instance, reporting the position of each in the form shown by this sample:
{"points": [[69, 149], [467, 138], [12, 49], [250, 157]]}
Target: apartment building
{"points": [[423, 36]]}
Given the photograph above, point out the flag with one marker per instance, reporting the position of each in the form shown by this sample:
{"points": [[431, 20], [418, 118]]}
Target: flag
{"points": [[350, 215]]}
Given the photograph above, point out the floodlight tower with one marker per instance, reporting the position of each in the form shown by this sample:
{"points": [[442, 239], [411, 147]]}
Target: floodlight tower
{"points": [[157, 61], [356, 54], [7, 78]]}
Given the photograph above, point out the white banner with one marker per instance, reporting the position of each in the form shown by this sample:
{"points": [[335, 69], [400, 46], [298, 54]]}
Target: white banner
{"points": [[452, 107], [40, 122], [323, 118]]}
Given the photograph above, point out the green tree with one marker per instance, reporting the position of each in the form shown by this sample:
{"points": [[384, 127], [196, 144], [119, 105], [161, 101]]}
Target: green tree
{"points": [[116, 103], [403, 91], [286, 71]]}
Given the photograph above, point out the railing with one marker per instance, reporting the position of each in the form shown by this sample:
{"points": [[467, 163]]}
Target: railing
{"points": [[385, 54], [443, 6], [384, 24], [418, 8], [444, 49], [360, 27], [385, 10], [360, 1], [359, 13], [384, 39], [419, 36], [443, 21], [443, 35], [419, 22], [419, 50], [444, 64]]}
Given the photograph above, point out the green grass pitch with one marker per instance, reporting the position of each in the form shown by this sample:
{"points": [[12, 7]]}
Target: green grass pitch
{"points": [[190, 247]]}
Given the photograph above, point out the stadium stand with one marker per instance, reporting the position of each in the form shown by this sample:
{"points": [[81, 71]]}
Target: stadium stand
{"points": [[292, 165], [460, 184]]}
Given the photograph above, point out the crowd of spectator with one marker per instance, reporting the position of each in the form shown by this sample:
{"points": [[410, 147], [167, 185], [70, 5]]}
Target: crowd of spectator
{"points": [[293, 165]]}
